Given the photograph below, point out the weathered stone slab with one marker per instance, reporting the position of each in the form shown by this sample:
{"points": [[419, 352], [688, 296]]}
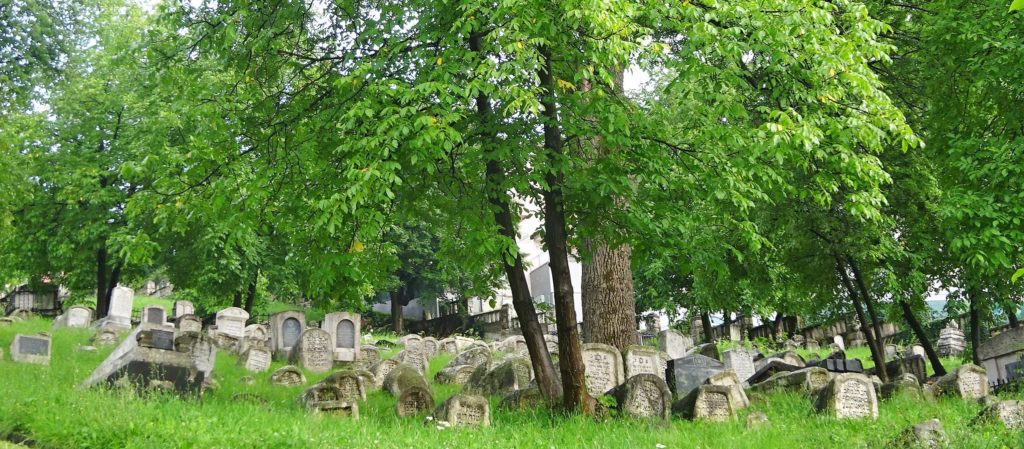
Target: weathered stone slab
{"points": [[349, 383], [905, 385], [448, 346], [728, 378], [31, 349], [604, 371], [968, 382], [326, 398], [525, 399], [255, 359], [925, 435], [644, 396], [370, 382], [769, 369], [674, 343], [429, 347], [288, 376], [914, 365], [119, 313], [951, 340], [707, 402], [188, 323], [105, 337], [285, 330], [464, 410], [709, 350], [78, 317], [154, 315], [313, 351], [741, 362], [644, 360], [456, 375], [913, 350], [414, 401], [688, 373], [412, 356], [838, 341], [511, 375], [231, 322], [157, 338], [149, 367], [182, 308], [848, 396], [805, 380], [790, 358], [1008, 413], [368, 356], [473, 356], [402, 377], [344, 328], [381, 370]]}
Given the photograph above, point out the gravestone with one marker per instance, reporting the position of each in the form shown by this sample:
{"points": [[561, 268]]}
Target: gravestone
{"points": [[255, 359], [325, 398], [644, 360], [288, 376], [1003, 348], [429, 347], [520, 400], [728, 378], [369, 381], [412, 355], [414, 401], [904, 385], [381, 370], [257, 332], [231, 322], [405, 339], [848, 396], [1009, 413], [804, 380], [119, 314], [188, 323], [707, 402], [401, 377], [344, 328], [348, 383], [148, 366], [157, 338], [812, 345], [313, 351], [464, 410], [456, 375], [31, 349], [285, 329], [472, 356], [603, 365], [925, 435], [448, 346], [154, 315], [891, 351], [182, 308], [105, 337], [769, 368], [78, 317], [741, 362], [707, 350], [674, 343], [838, 341], [368, 356], [951, 340], [968, 382], [510, 375], [914, 365], [687, 373], [201, 350], [791, 358], [915, 350], [644, 396]]}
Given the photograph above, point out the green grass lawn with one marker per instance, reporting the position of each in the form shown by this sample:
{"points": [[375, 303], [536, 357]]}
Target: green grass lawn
{"points": [[46, 405]]}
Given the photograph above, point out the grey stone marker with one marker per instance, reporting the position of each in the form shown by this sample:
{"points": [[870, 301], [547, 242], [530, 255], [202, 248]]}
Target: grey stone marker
{"points": [[348, 383], [414, 401], [604, 369], [740, 361], [804, 380], [313, 351], [915, 350], [644, 396], [848, 396], [105, 337], [188, 323], [464, 410], [154, 315], [285, 329], [951, 340], [78, 317], [674, 343], [513, 374], [707, 402], [231, 322], [429, 347], [288, 376], [402, 377], [119, 314], [1008, 413], [368, 356], [156, 338], [687, 373], [904, 385], [325, 398], [31, 349], [255, 359], [472, 356], [182, 308], [414, 357], [148, 366], [728, 378], [925, 435], [381, 370], [968, 382], [838, 341], [344, 328], [457, 375], [644, 360], [448, 346]]}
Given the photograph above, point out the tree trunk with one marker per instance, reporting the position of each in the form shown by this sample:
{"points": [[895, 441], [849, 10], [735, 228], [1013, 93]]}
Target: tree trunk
{"points": [[609, 308], [877, 356], [771, 328], [915, 325], [236, 301], [1011, 314], [397, 322], [705, 324], [975, 325], [779, 325], [102, 303], [515, 272], [250, 297], [113, 280], [868, 301], [570, 353]]}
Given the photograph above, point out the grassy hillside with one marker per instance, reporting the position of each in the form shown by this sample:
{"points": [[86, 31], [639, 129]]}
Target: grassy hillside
{"points": [[46, 405]]}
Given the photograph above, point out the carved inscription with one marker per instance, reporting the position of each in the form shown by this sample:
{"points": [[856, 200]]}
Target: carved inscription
{"points": [[600, 372], [853, 400], [468, 414], [714, 406], [316, 351], [349, 387], [33, 346], [646, 400], [970, 385], [413, 403], [259, 360]]}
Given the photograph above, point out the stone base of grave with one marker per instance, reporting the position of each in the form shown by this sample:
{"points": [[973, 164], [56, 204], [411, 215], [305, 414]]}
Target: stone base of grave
{"points": [[145, 368], [116, 323]]}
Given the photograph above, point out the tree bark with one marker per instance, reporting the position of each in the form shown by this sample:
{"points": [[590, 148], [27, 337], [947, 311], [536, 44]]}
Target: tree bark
{"points": [[515, 271], [877, 356], [929, 350], [250, 297], [570, 353], [609, 308], [102, 303], [397, 322], [975, 324], [705, 324], [112, 281], [779, 325], [869, 301], [236, 301]]}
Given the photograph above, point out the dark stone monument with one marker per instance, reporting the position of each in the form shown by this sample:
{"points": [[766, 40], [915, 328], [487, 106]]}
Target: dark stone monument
{"points": [[686, 374]]}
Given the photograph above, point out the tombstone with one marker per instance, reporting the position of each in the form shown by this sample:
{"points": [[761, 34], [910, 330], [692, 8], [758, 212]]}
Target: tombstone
{"points": [[140, 361], [156, 338], [154, 315], [407, 338], [925, 435], [838, 341], [368, 356], [904, 385], [325, 398], [381, 370], [674, 343], [464, 410], [912, 365], [790, 345], [78, 317], [741, 362], [448, 346], [201, 351], [707, 402], [521, 400], [454, 375], [644, 360], [414, 357], [105, 337], [644, 396], [344, 328], [511, 375], [119, 314], [687, 373], [285, 329], [915, 350], [1003, 348], [707, 350], [31, 349], [603, 365], [968, 382], [770, 368], [288, 376], [429, 347], [182, 308], [805, 380], [791, 358], [369, 381], [188, 323], [472, 356], [728, 378], [951, 340], [848, 396], [812, 345], [890, 351], [842, 366], [403, 376], [414, 401], [313, 351], [348, 383], [1009, 413], [231, 322], [255, 359]]}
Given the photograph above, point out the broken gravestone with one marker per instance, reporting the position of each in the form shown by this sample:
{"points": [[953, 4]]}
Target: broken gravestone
{"points": [[464, 410], [644, 396], [848, 396]]}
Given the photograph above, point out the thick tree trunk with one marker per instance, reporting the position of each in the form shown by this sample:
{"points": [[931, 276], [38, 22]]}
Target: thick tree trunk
{"points": [[779, 325], [929, 350], [250, 296], [869, 301], [609, 308], [975, 313], [877, 356], [1011, 314], [397, 303], [236, 301], [705, 324], [515, 271], [102, 303], [570, 354]]}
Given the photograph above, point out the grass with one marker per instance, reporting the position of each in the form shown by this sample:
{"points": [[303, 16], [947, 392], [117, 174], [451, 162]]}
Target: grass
{"points": [[46, 405]]}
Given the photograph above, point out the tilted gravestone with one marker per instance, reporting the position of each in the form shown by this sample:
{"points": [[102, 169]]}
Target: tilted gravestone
{"points": [[804, 380], [255, 359], [968, 382], [472, 356], [1009, 413], [326, 398], [105, 337], [349, 384], [838, 341], [687, 373], [925, 435], [381, 370], [448, 346], [604, 371], [119, 313], [644, 360], [142, 362], [644, 396], [741, 362], [914, 365], [456, 375], [313, 351], [402, 377], [511, 375], [31, 349], [674, 343], [429, 347], [848, 396], [728, 378], [344, 328], [707, 402], [915, 350], [288, 376], [231, 322], [285, 329], [156, 338], [414, 401], [412, 356], [188, 323], [464, 410], [368, 356], [78, 317], [770, 368], [904, 385], [154, 315]]}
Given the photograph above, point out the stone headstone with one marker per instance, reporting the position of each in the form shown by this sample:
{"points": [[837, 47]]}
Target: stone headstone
{"points": [[414, 401], [510, 375], [325, 398], [674, 343], [448, 346], [231, 322], [915, 350], [255, 359], [842, 365], [968, 382], [768, 368], [1009, 413], [313, 351], [119, 314], [257, 332], [707, 350], [812, 345], [457, 375], [288, 376], [925, 435], [904, 385], [429, 347], [182, 308], [381, 370], [804, 380], [105, 337], [188, 323], [1005, 347], [31, 349], [464, 410], [344, 328], [146, 368], [520, 400], [201, 350], [472, 356], [368, 356], [406, 339], [644, 396], [951, 340], [838, 341], [156, 338], [285, 329], [848, 396], [403, 376], [728, 378], [78, 317], [707, 402], [348, 383], [891, 351], [687, 373], [741, 362], [413, 355], [154, 315], [603, 365], [644, 360]]}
